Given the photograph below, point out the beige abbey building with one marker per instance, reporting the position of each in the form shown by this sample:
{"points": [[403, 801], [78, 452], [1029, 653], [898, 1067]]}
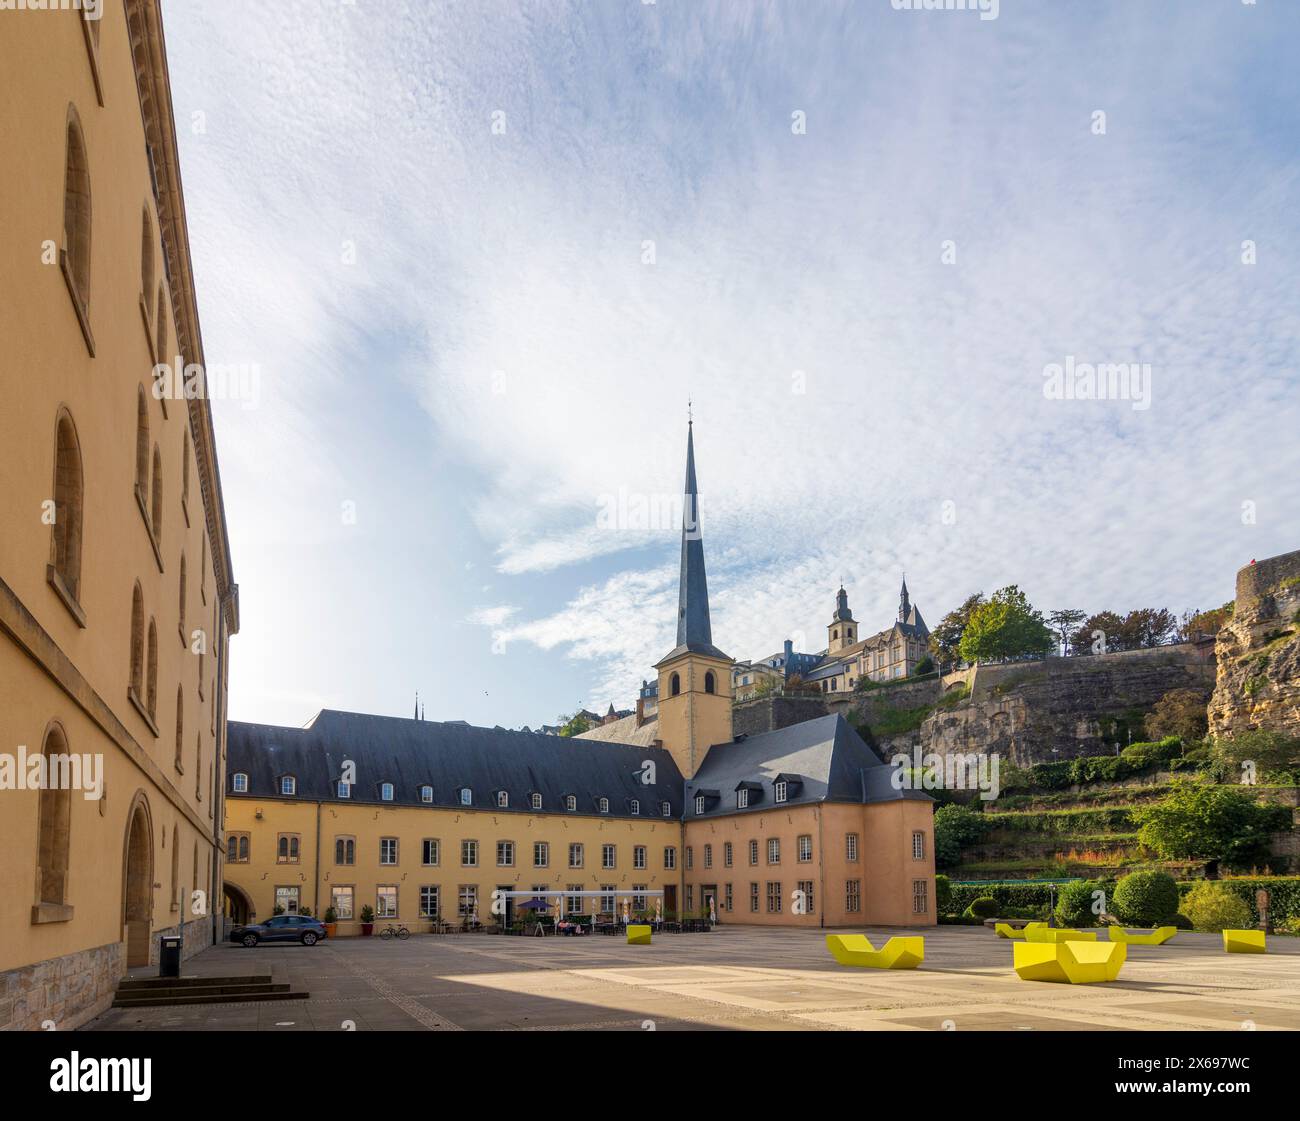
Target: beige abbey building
{"points": [[422, 820], [116, 591]]}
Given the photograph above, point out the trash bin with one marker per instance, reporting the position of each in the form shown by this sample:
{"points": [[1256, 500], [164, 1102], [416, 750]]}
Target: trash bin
{"points": [[169, 956]]}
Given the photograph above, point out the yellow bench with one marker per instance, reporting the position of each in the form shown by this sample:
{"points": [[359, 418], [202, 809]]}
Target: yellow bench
{"points": [[1244, 942], [1074, 963], [1055, 934], [638, 936], [897, 953], [1005, 931], [1157, 937]]}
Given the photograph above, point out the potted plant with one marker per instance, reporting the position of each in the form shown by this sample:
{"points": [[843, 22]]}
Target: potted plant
{"points": [[277, 910], [367, 920], [331, 922]]}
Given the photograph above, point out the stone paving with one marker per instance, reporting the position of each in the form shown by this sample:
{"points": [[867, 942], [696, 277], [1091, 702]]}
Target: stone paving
{"points": [[734, 978]]}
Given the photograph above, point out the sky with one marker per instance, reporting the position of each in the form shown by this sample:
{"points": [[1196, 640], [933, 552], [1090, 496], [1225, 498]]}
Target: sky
{"points": [[477, 257]]}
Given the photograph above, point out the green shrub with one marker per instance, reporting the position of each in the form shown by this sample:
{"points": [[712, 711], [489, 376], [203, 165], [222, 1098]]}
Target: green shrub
{"points": [[955, 827], [1146, 899], [985, 907], [942, 894], [1074, 903], [1214, 906]]}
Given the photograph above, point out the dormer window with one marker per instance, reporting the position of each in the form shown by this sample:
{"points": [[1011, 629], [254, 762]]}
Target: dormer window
{"points": [[781, 791], [239, 782], [426, 793], [288, 785], [602, 805], [635, 807], [385, 791], [343, 789], [666, 809], [503, 800], [571, 802], [742, 799], [466, 796], [537, 801], [699, 803]]}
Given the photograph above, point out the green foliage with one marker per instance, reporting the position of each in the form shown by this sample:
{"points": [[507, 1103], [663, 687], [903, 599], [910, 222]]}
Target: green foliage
{"points": [[367, 913], [945, 639], [1011, 897], [1204, 821], [955, 827], [1140, 629], [278, 909], [925, 665], [1271, 752], [1005, 627], [942, 893], [1214, 906], [574, 725], [1146, 899], [889, 721], [1074, 902], [331, 915], [1179, 713], [985, 907]]}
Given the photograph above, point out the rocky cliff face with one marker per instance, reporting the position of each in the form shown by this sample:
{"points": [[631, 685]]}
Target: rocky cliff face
{"points": [[1258, 652]]}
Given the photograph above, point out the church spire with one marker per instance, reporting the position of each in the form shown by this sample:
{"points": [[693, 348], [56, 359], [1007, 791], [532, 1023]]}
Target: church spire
{"points": [[693, 627], [904, 604]]}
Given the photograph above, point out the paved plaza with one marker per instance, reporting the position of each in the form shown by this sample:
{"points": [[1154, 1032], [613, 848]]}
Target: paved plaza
{"points": [[734, 978]]}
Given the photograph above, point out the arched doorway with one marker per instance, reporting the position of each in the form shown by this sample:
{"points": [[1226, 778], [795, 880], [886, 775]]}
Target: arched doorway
{"points": [[238, 907], [137, 884]]}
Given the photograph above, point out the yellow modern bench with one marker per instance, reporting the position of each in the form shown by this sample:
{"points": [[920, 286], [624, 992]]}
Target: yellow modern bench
{"points": [[638, 936], [1074, 963], [897, 953], [1157, 937], [1005, 931], [1053, 934], [1244, 942]]}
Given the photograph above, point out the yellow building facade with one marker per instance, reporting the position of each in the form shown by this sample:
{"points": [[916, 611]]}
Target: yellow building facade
{"points": [[116, 591]]}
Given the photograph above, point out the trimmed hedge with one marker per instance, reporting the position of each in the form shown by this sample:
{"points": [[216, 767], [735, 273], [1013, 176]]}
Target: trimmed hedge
{"points": [[1118, 819], [1146, 899], [1134, 760]]}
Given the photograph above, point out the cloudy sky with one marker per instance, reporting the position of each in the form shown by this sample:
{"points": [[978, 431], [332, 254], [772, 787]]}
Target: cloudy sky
{"points": [[481, 255]]}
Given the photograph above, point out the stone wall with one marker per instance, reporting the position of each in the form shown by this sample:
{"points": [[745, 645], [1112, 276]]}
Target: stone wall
{"points": [[1258, 652], [766, 714], [66, 991]]}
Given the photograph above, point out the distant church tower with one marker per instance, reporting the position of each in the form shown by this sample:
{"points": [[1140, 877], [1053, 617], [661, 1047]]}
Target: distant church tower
{"points": [[904, 604], [842, 630], [695, 677]]}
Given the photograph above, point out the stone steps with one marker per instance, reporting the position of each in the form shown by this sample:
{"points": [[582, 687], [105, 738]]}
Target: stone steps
{"points": [[162, 992]]}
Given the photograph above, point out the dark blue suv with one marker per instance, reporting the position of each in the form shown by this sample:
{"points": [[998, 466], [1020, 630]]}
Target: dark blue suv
{"points": [[280, 928]]}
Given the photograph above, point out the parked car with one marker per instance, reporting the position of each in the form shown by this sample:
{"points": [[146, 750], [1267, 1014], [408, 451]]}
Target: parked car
{"points": [[280, 928]]}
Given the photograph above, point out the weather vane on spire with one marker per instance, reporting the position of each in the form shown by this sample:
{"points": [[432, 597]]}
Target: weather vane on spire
{"points": [[690, 418]]}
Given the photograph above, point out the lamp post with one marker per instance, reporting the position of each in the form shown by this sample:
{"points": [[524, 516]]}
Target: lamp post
{"points": [[1051, 899]]}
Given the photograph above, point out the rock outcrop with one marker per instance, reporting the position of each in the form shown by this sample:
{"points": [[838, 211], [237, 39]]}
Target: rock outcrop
{"points": [[1258, 652]]}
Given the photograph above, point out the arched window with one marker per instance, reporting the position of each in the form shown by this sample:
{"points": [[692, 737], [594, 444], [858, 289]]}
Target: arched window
{"points": [[676, 684], [137, 643], [386, 791], [503, 800], [142, 446], [151, 672], [146, 256], [537, 801], [709, 682], [160, 325], [239, 782], [54, 825], [602, 804], [76, 215], [182, 599], [180, 724], [155, 496], [635, 807], [570, 802], [65, 537], [466, 796]]}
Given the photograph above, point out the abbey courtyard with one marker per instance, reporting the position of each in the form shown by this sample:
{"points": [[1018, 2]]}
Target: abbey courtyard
{"points": [[870, 834]]}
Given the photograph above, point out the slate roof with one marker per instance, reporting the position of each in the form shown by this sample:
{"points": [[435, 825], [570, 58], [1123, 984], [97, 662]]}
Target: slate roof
{"points": [[448, 756], [828, 756]]}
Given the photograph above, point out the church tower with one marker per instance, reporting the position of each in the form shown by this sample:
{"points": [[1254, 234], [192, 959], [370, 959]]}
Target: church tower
{"points": [[904, 604], [842, 630], [695, 677]]}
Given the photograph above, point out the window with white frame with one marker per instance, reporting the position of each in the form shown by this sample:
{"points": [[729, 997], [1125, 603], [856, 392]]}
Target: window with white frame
{"points": [[466, 796], [690, 856], [666, 809], [635, 807], [726, 853], [345, 850], [386, 901], [385, 791], [571, 802], [638, 856], [387, 850], [426, 794], [920, 897], [467, 899], [608, 856], [541, 854], [239, 782], [699, 803], [503, 800], [344, 789], [781, 790], [853, 896], [607, 898], [537, 801], [431, 852], [575, 855], [774, 850], [851, 847], [670, 857], [602, 804], [469, 854], [742, 798], [341, 896], [918, 845], [753, 852], [505, 854], [708, 856], [429, 901], [805, 848], [288, 784]]}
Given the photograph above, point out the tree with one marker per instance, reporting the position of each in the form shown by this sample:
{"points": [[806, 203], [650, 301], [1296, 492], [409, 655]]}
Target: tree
{"points": [[1271, 752], [1147, 627], [1181, 713], [1197, 623], [925, 665], [1211, 906], [1208, 822], [573, 725], [955, 827], [1146, 899], [1005, 627], [945, 639], [1102, 628], [1061, 623]]}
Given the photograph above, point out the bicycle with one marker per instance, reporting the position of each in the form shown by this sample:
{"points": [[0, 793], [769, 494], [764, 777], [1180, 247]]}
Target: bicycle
{"points": [[391, 930]]}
